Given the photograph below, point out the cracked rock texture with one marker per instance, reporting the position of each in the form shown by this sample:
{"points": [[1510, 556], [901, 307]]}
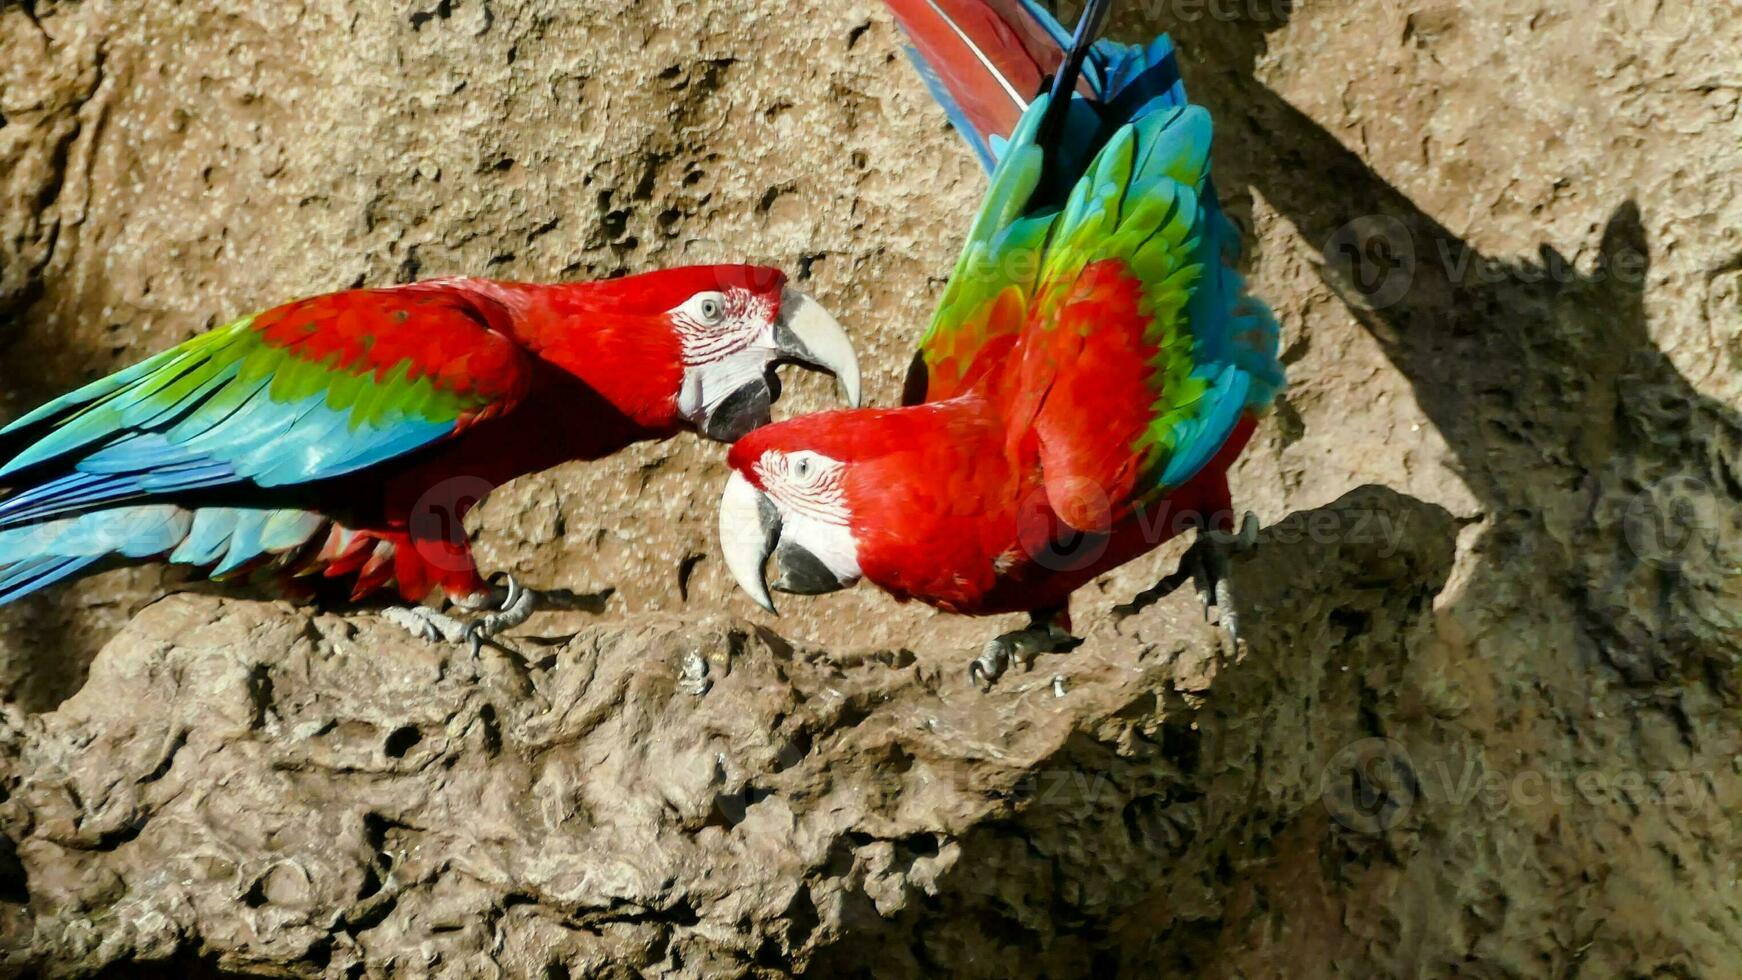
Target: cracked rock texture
{"points": [[1486, 720]]}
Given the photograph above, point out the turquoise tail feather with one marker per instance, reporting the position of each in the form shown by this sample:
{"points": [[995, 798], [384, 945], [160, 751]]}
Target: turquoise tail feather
{"points": [[223, 539]]}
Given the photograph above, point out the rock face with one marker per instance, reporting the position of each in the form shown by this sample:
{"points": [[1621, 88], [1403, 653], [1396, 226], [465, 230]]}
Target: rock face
{"points": [[1505, 243], [253, 788]]}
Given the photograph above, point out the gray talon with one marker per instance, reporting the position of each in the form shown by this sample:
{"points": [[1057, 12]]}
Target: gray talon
{"points": [[512, 605], [518, 603], [1212, 572], [990, 665], [1042, 635]]}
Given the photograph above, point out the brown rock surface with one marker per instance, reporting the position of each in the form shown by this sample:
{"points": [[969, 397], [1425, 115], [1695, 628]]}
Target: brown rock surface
{"points": [[1505, 242], [251, 787]]}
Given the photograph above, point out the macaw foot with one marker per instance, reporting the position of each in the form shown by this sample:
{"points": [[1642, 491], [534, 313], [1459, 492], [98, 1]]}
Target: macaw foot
{"points": [[425, 623], [1048, 631], [504, 607], [508, 605], [1208, 559]]}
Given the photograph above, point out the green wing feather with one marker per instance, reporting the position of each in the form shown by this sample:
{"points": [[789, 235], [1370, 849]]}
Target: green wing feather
{"points": [[237, 405]]}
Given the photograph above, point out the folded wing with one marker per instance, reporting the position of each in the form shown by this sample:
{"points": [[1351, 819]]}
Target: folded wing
{"points": [[306, 392]]}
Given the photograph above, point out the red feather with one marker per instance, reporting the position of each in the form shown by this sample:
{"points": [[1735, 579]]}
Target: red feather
{"points": [[605, 372], [990, 54], [968, 503]]}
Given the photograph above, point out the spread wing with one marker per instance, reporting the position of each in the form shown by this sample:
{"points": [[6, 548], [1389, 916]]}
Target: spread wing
{"points": [[1119, 386], [973, 324], [1098, 290], [1130, 352], [307, 391]]}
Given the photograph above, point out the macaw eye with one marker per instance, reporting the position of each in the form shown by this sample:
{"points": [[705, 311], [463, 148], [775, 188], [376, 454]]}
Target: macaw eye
{"points": [[801, 468], [712, 310]]}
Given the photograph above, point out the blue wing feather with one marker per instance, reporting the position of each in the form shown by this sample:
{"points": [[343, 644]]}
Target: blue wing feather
{"points": [[952, 108], [40, 554], [40, 574], [204, 440]]}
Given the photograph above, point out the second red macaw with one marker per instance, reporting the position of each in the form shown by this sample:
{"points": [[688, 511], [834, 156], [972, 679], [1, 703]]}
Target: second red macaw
{"points": [[1093, 368]]}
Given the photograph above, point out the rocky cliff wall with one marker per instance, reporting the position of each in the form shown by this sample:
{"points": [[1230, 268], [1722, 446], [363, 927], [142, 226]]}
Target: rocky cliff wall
{"points": [[1503, 240]]}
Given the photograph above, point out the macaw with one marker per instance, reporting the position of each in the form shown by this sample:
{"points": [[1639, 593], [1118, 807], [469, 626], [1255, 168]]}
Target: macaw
{"points": [[1093, 368], [343, 437]]}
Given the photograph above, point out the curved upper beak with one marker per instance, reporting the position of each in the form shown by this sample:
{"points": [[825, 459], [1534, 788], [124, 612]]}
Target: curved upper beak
{"points": [[749, 528], [806, 333]]}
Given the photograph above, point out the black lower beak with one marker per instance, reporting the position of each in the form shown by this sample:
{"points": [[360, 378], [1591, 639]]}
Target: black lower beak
{"points": [[802, 573], [741, 412]]}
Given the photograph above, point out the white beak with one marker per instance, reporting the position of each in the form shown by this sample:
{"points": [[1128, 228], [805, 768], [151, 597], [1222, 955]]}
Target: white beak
{"points": [[807, 333], [749, 525]]}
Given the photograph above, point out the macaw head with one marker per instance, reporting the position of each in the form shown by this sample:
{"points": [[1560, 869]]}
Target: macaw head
{"points": [[734, 330], [697, 346], [834, 496]]}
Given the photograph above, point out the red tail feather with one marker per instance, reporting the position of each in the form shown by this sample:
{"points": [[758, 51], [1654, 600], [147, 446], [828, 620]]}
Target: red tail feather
{"points": [[991, 55]]}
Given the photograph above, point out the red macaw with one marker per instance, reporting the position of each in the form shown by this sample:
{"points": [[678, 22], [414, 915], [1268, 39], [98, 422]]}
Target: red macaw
{"points": [[1093, 368], [345, 436]]}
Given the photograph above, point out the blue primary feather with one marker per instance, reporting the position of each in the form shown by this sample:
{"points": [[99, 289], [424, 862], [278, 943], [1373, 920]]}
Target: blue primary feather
{"points": [[286, 529], [952, 108], [224, 430], [207, 539], [38, 555], [1201, 436], [40, 574], [101, 388], [245, 543]]}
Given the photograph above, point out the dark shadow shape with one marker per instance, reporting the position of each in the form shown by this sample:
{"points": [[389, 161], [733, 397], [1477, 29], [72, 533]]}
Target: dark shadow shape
{"points": [[1543, 378]]}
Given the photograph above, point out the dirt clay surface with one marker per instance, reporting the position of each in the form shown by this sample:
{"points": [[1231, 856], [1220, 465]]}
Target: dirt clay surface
{"points": [[1485, 719]]}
